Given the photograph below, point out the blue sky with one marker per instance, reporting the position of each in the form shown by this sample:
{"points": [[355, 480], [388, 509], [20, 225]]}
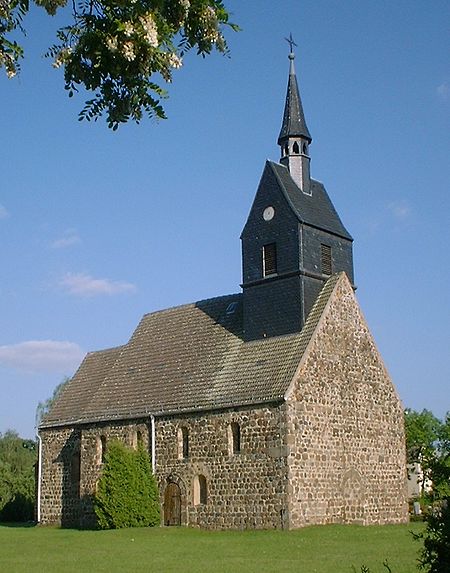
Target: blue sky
{"points": [[98, 228]]}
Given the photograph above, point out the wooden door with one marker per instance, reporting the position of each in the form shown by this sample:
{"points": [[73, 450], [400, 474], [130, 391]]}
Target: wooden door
{"points": [[172, 505]]}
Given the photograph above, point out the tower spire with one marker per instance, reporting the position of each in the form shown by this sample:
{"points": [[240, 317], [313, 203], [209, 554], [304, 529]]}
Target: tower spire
{"points": [[294, 138]]}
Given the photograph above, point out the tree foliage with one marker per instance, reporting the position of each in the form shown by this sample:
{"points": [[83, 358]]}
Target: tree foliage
{"points": [[116, 48], [435, 555], [45, 406], [127, 494], [440, 470], [422, 431], [428, 443], [17, 477]]}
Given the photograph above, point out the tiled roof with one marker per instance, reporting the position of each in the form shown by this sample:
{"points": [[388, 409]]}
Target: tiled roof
{"points": [[80, 390], [315, 209], [186, 358]]}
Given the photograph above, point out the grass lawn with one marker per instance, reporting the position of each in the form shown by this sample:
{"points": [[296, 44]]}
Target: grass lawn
{"points": [[320, 549]]}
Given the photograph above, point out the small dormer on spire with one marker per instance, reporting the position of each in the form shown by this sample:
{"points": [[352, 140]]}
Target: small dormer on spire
{"points": [[294, 138]]}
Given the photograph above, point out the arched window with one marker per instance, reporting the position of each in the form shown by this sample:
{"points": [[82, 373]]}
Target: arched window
{"points": [[295, 147], [200, 490], [305, 149], [286, 149], [183, 443], [101, 448], [234, 438], [75, 468], [137, 439]]}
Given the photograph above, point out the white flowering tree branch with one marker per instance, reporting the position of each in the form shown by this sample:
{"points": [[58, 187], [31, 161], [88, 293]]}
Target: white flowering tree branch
{"points": [[12, 13], [116, 48]]}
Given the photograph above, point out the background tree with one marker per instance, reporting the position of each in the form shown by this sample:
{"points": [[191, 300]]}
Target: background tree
{"points": [[116, 48], [44, 407], [435, 555], [440, 465], [17, 477], [422, 431], [428, 443], [18, 457], [127, 494]]}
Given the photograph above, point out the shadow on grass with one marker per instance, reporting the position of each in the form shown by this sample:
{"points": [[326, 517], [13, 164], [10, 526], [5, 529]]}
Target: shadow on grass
{"points": [[29, 524], [18, 524]]}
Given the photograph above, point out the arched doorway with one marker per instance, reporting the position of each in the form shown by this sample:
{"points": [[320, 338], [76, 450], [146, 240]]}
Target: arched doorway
{"points": [[353, 497], [172, 504]]}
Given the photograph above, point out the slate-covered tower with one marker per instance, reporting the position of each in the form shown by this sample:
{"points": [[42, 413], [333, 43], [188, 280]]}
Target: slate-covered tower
{"points": [[293, 239]]}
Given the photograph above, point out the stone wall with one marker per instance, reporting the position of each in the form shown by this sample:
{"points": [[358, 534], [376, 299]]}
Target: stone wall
{"points": [[59, 492], [345, 426], [245, 489], [66, 500]]}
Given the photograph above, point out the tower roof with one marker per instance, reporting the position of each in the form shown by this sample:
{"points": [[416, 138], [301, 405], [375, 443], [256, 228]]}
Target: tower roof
{"points": [[294, 124], [315, 210]]}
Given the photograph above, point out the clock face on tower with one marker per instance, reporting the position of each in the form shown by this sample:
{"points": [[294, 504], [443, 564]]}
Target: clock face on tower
{"points": [[268, 213]]}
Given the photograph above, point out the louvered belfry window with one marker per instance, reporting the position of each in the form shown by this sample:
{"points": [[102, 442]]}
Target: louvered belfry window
{"points": [[325, 255], [269, 259]]}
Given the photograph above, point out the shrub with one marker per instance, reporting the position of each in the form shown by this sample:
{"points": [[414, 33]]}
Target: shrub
{"points": [[127, 494], [18, 509], [435, 555]]}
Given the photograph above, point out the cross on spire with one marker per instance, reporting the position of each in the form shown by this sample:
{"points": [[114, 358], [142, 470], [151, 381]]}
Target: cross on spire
{"points": [[291, 42]]}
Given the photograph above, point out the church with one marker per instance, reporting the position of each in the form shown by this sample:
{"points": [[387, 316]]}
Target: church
{"points": [[269, 408]]}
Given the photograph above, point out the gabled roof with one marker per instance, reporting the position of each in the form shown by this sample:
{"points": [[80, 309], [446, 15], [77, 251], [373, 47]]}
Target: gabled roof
{"points": [[315, 210], [188, 358]]}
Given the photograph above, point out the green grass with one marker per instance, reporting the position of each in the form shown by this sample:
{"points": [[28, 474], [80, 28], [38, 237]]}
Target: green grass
{"points": [[317, 549]]}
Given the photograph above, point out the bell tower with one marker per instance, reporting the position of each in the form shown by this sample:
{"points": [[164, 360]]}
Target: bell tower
{"points": [[293, 240]]}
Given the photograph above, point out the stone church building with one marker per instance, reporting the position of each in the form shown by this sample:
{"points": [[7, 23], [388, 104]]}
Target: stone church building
{"points": [[270, 408]]}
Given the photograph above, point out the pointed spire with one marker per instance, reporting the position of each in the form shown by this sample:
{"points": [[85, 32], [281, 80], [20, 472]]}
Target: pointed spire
{"points": [[294, 138], [294, 124]]}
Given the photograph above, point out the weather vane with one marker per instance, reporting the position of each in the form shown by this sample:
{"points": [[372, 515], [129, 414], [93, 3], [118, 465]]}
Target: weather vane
{"points": [[291, 42]]}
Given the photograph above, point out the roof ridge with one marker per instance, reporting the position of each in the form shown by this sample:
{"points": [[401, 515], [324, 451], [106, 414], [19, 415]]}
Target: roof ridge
{"points": [[313, 319], [190, 304], [277, 337], [283, 189], [47, 420], [104, 350], [306, 210], [105, 377]]}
